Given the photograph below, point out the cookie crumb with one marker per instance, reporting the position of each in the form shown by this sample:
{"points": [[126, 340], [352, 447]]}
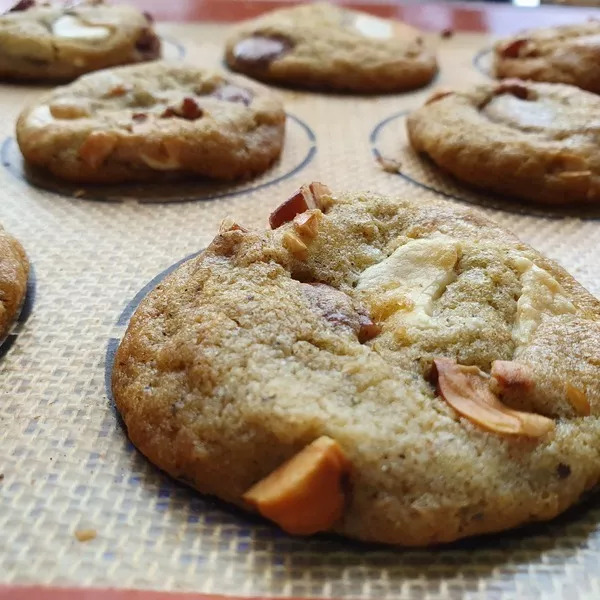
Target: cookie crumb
{"points": [[446, 33], [563, 470], [85, 535], [78, 193], [389, 165]]}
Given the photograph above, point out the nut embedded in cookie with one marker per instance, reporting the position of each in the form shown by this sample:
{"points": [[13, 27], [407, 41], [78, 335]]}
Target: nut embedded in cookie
{"points": [[305, 494]]}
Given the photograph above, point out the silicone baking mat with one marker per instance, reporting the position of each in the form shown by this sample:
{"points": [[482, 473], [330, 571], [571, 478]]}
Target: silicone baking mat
{"points": [[68, 471]]}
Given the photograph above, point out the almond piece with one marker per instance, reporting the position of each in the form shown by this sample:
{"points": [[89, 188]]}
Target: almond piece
{"points": [[513, 49], [466, 389], [295, 245], [304, 495], [511, 375], [306, 224], [578, 400], [96, 148], [296, 204], [368, 329]]}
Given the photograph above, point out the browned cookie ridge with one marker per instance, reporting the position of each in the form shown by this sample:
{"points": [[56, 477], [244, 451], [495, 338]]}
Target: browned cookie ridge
{"points": [[431, 375]]}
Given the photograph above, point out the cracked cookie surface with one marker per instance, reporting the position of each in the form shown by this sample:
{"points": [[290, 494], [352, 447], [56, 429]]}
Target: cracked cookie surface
{"points": [[154, 120], [567, 54], [322, 46], [50, 42], [533, 141], [14, 271], [249, 354]]}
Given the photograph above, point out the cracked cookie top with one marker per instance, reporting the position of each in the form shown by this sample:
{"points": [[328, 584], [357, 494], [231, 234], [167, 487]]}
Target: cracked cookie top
{"points": [[433, 376], [323, 46], [534, 141], [51, 41]]}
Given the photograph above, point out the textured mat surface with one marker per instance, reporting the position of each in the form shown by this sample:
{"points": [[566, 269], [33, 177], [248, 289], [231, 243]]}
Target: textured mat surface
{"points": [[65, 459]]}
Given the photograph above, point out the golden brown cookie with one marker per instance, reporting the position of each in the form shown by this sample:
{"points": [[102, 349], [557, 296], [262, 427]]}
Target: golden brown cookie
{"points": [[148, 121], [567, 54], [533, 141], [14, 271], [60, 41], [323, 46], [391, 370]]}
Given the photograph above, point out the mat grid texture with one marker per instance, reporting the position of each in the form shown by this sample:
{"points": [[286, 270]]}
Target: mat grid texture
{"points": [[66, 461]]}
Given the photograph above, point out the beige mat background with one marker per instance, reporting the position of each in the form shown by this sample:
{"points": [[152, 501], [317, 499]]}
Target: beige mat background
{"points": [[65, 459]]}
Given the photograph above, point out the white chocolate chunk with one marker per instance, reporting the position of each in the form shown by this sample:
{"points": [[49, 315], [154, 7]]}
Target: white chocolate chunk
{"points": [[373, 27], [69, 26], [541, 296], [414, 275]]}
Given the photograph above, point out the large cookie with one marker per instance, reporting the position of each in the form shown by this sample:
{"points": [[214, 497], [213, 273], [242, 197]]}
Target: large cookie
{"points": [[427, 375], [323, 46], [147, 121], [59, 42], [568, 54], [14, 271], [534, 141]]}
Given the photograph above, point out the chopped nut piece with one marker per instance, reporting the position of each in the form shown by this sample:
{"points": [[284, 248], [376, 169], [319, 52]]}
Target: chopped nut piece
{"points": [[578, 400], [438, 95], [306, 224], [228, 224], [68, 109], [304, 495], [511, 375], [466, 389], [513, 49], [96, 148], [314, 195], [368, 329], [22, 5], [139, 117], [295, 245], [117, 90], [188, 109], [389, 165], [85, 535]]}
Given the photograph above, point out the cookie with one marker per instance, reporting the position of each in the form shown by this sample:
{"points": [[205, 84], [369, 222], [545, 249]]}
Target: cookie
{"points": [[62, 41], [325, 47], [14, 271], [567, 54], [391, 370], [150, 121], [533, 141]]}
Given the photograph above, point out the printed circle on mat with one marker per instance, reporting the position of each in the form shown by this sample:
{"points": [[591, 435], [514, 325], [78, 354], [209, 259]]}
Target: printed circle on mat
{"points": [[298, 151], [25, 311], [483, 61], [390, 146]]}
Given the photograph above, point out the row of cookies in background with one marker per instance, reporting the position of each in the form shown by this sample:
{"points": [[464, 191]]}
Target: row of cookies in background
{"points": [[142, 122]]}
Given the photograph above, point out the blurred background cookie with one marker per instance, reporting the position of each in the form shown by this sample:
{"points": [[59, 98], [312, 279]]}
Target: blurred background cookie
{"points": [[146, 121], [566, 54], [14, 271], [533, 141], [326, 47], [60, 41]]}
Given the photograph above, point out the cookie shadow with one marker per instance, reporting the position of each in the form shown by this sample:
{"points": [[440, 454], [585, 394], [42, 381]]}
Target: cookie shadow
{"points": [[298, 152]]}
